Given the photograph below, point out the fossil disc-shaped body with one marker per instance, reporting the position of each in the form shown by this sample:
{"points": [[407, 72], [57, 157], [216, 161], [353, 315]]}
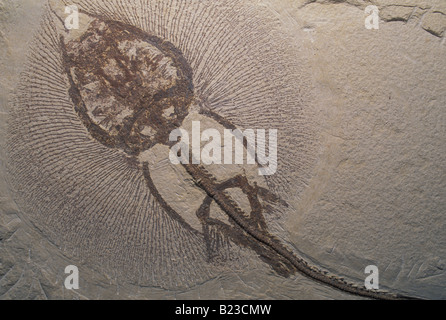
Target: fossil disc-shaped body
{"points": [[130, 89], [88, 103]]}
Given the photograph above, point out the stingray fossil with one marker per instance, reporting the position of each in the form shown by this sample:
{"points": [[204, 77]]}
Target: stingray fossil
{"points": [[143, 88], [130, 89]]}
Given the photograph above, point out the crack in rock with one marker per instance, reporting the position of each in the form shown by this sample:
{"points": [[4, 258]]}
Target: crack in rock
{"points": [[432, 16]]}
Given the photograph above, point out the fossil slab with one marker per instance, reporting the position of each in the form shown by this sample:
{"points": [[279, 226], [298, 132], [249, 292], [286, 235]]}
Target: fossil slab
{"points": [[87, 155]]}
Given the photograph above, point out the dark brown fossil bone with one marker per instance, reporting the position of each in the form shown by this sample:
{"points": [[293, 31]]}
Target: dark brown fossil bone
{"points": [[112, 81], [122, 83]]}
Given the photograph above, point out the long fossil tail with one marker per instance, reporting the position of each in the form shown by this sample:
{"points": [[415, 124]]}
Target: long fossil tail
{"points": [[208, 183]]}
